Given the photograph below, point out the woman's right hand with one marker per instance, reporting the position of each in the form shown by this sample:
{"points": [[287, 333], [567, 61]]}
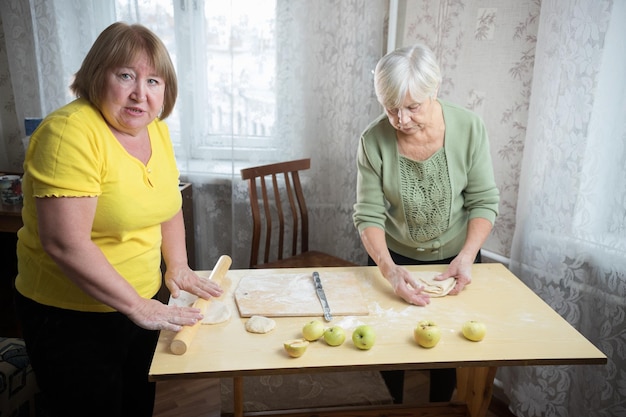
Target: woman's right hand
{"points": [[405, 286], [154, 315]]}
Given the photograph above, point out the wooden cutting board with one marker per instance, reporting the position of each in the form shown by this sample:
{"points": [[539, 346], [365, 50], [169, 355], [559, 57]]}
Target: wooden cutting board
{"points": [[293, 295]]}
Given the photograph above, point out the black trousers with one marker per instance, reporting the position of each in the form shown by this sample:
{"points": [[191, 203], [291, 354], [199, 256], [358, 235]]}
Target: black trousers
{"points": [[88, 364], [442, 381]]}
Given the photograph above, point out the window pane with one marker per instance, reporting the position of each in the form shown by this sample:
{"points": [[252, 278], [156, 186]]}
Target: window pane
{"points": [[225, 55]]}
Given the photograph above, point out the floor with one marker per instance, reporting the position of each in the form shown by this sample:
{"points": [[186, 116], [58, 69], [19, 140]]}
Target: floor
{"points": [[201, 398], [195, 398]]}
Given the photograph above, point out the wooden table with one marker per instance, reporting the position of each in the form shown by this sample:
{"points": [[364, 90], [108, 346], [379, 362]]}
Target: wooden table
{"points": [[522, 330]]}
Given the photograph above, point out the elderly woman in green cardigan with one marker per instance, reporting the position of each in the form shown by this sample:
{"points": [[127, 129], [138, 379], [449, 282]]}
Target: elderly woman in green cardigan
{"points": [[426, 192]]}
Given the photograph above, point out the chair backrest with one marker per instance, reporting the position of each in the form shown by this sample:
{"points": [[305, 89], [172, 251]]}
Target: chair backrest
{"points": [[281, 199]]}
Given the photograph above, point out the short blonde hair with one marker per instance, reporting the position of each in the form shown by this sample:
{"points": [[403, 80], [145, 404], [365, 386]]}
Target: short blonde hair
{"points": [[410, 70], [119, 45]]}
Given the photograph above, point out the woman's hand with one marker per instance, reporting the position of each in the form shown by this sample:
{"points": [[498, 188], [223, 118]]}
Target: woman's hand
{"points": [[461, 269], [461, 266], [154, 315], [178, 275], [183, 278], [405, 286]]}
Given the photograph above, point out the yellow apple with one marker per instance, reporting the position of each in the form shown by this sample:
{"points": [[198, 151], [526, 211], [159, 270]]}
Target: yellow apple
{"points": [[295, 347], [427, 333], [364, 337], [474, 330], [313, 330], [334, 335]]}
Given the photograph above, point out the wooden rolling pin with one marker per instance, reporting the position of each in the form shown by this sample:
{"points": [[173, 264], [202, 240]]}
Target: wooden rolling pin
{"points": [[183, 338]]}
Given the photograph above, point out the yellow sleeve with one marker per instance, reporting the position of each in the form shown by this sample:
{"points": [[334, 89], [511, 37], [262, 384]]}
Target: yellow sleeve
{"points": [[63, 158]]}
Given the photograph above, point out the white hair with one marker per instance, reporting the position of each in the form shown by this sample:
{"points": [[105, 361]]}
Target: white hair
{"points": [[410, 70]]}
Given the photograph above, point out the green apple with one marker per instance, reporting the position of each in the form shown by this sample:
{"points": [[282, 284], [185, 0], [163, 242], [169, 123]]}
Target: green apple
{"points": [[474, 330], [313, 330], [334, 335], [364, 337], [296, 347], [427, 333]]}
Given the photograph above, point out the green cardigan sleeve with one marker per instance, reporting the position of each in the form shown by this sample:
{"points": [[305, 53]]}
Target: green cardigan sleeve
{"points": [[370, 207], [469, 163]]}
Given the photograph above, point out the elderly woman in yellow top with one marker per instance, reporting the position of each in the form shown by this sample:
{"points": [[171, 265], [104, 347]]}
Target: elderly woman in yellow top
{"points": [[101, 206]]}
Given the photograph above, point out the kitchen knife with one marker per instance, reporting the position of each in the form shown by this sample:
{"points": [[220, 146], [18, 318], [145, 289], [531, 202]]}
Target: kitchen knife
{"points": [[322, 296]]}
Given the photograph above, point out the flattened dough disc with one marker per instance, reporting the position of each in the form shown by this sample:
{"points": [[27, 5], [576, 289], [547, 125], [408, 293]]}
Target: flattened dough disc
{"points": [[217, 311], [431, 286]]}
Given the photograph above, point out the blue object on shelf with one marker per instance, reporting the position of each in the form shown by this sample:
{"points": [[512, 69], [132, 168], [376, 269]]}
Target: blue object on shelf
{"points": [[30, 124]]}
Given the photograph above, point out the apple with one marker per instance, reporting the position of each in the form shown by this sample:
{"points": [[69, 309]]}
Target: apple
{"points": [[296, 347], [364, 337], [427, 333], [474, 330], [313, 330], [334, 335]]}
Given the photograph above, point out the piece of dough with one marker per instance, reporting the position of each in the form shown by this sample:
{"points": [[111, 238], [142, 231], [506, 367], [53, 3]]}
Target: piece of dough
{"points": [[217, 312], [260, 324], [433, 287]]}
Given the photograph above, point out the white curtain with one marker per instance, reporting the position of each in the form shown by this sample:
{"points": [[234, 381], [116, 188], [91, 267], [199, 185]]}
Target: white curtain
{"points": [[47, 42], [320, 56], [570, 238]]}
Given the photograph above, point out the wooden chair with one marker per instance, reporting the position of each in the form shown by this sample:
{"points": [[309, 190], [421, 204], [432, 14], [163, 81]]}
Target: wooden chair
{"points": [[281, 199], [277, 204]]}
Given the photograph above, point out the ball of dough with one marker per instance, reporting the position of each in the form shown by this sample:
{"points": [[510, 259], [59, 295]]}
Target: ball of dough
{"points": [[260, 324]]}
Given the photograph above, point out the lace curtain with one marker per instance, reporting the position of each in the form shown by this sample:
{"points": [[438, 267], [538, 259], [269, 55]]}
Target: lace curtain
{"points": [[570, 238], [323, 54]]}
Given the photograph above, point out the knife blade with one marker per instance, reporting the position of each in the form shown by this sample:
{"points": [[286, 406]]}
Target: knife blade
{"points": [[322, 296]]}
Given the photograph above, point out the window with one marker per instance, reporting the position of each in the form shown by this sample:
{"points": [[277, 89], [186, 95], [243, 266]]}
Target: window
{"points": [[225, 57]]}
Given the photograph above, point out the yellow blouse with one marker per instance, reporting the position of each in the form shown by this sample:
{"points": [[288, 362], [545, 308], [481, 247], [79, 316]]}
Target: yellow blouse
{"points": [[74, 154]]}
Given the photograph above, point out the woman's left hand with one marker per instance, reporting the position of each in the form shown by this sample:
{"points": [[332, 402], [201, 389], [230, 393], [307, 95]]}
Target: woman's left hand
{"points": [[184, 278], [461, 269]]}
